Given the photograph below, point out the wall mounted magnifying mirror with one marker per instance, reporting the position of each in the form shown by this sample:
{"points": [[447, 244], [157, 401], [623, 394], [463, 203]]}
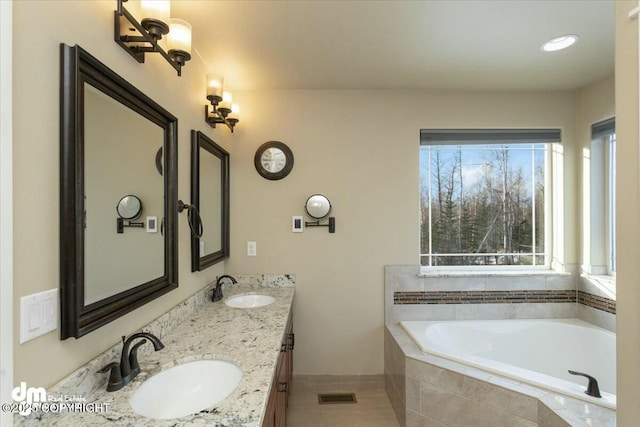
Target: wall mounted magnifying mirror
{"points": [[104, 275], [210, 197], [318, 207], [129, 207]]}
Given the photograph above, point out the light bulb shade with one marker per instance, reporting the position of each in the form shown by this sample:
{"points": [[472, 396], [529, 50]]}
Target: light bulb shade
{"points": [[235, 112], [155, 9], [215, 83], [179, 37], [226, 100]]}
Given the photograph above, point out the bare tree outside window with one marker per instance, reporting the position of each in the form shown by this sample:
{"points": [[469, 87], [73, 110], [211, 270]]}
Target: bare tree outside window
{"points": [[482, 204]]}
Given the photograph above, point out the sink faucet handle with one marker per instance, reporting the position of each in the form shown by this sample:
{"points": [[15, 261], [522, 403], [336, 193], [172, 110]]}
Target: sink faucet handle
{"points": [[592, 388], [115, 376]]}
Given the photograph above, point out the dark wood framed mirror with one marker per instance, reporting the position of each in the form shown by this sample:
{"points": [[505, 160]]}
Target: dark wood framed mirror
{"points": [[210, 196], [110, 133]]}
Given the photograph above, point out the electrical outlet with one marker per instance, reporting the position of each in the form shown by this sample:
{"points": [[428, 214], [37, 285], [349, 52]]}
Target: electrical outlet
{"points": [[252, 249]]}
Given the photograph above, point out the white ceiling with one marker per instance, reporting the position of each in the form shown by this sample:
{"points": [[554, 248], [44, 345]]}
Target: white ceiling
{"points": [[451, 44]]}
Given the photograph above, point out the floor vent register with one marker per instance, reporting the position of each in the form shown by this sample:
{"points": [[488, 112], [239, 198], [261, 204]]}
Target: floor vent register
{"points": [[328, 398]]}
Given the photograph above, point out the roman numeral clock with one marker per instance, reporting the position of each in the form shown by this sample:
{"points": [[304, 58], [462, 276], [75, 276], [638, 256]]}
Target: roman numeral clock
{"points": [[273, 160]]}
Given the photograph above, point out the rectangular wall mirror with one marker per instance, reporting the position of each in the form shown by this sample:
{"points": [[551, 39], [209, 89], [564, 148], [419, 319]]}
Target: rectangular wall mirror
{"points": [[210, 196], [111, 189]]}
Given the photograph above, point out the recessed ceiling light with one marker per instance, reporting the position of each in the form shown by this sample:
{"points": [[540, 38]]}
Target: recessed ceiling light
{"points": [[560, 42]]}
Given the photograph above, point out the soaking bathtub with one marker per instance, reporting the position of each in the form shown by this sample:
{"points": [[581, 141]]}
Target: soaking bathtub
{"points": [[537, 351]]}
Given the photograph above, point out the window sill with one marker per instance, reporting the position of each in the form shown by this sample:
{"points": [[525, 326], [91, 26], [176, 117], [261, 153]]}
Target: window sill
{"points": [[604, 283], [519, 272]]}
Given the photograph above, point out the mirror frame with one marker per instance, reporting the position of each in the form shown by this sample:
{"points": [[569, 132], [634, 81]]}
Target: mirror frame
{"points": [[200, 140], [78, 67]]}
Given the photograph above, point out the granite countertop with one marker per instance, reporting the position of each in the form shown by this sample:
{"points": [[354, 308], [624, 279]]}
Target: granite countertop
{"points": [[250, 338]]}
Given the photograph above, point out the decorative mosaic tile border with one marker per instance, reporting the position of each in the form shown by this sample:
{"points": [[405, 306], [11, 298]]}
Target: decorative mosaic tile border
{"points": [[485, 297], [505, 297], [597, 302]]}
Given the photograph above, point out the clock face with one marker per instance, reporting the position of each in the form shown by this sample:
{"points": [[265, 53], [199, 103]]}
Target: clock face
{"points": [[273, 160]]}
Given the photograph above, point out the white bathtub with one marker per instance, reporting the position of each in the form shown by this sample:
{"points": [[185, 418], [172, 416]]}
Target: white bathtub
{"points": [[538, 352]]}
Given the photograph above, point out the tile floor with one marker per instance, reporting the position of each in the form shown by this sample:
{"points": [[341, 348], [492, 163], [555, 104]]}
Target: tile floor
{"points": [[373, 408]]}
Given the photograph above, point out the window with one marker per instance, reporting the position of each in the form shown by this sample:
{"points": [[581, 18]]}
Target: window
{"points": [[600, 256], [611, 204], [483, 197]]}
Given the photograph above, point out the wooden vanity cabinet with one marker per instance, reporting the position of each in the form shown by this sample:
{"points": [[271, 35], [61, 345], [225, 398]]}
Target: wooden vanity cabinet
{"points": [[276, 413]]}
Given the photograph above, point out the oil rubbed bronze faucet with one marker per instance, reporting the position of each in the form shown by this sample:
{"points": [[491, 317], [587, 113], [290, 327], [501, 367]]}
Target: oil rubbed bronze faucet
{"points": [[592, 388], [217, 291], [124, 372]]}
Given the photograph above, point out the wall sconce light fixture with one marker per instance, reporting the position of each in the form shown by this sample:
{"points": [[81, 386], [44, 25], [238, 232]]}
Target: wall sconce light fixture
{"points": [[138, 38], [222, 110]]}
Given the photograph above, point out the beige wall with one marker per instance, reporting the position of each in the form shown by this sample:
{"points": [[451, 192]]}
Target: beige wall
{"points": [[360, 149], [628, 206], [46, 359], [593, 104]]}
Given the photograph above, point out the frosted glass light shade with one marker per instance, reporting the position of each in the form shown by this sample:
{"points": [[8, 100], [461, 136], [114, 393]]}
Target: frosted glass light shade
{"points": [[235, 112], [155, 9], [214, 86], [179, 37], [226, 100]]}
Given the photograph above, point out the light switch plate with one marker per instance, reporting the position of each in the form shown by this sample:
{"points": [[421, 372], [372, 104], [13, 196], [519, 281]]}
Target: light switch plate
{"points": [[38, 314], [297, 224], [152, 224]]}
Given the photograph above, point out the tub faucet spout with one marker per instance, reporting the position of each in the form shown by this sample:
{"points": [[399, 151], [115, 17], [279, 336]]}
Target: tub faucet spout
{"points": [[592, 388]]}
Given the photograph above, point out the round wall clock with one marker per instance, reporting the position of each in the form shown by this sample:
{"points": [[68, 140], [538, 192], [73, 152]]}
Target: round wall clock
{"points": [[273, 160]]}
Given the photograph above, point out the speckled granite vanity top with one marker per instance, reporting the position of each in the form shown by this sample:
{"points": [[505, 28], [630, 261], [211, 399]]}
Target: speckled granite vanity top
{"points": [[250, 338]]}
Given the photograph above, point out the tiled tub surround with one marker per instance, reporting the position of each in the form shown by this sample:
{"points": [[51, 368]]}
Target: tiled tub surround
{"points": [[427, 390], [503, 295], [477, 296], [195, 329], [597, 304], [456, 386]]}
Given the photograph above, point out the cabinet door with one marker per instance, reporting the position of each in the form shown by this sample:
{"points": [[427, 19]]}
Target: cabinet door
{"points": [[276, 413], [270, 413], [282, 390], [290, 340]]}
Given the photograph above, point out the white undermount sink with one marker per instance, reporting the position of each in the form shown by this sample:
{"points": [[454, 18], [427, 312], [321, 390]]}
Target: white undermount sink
{"points": [[249, 300], [186, 389]]}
